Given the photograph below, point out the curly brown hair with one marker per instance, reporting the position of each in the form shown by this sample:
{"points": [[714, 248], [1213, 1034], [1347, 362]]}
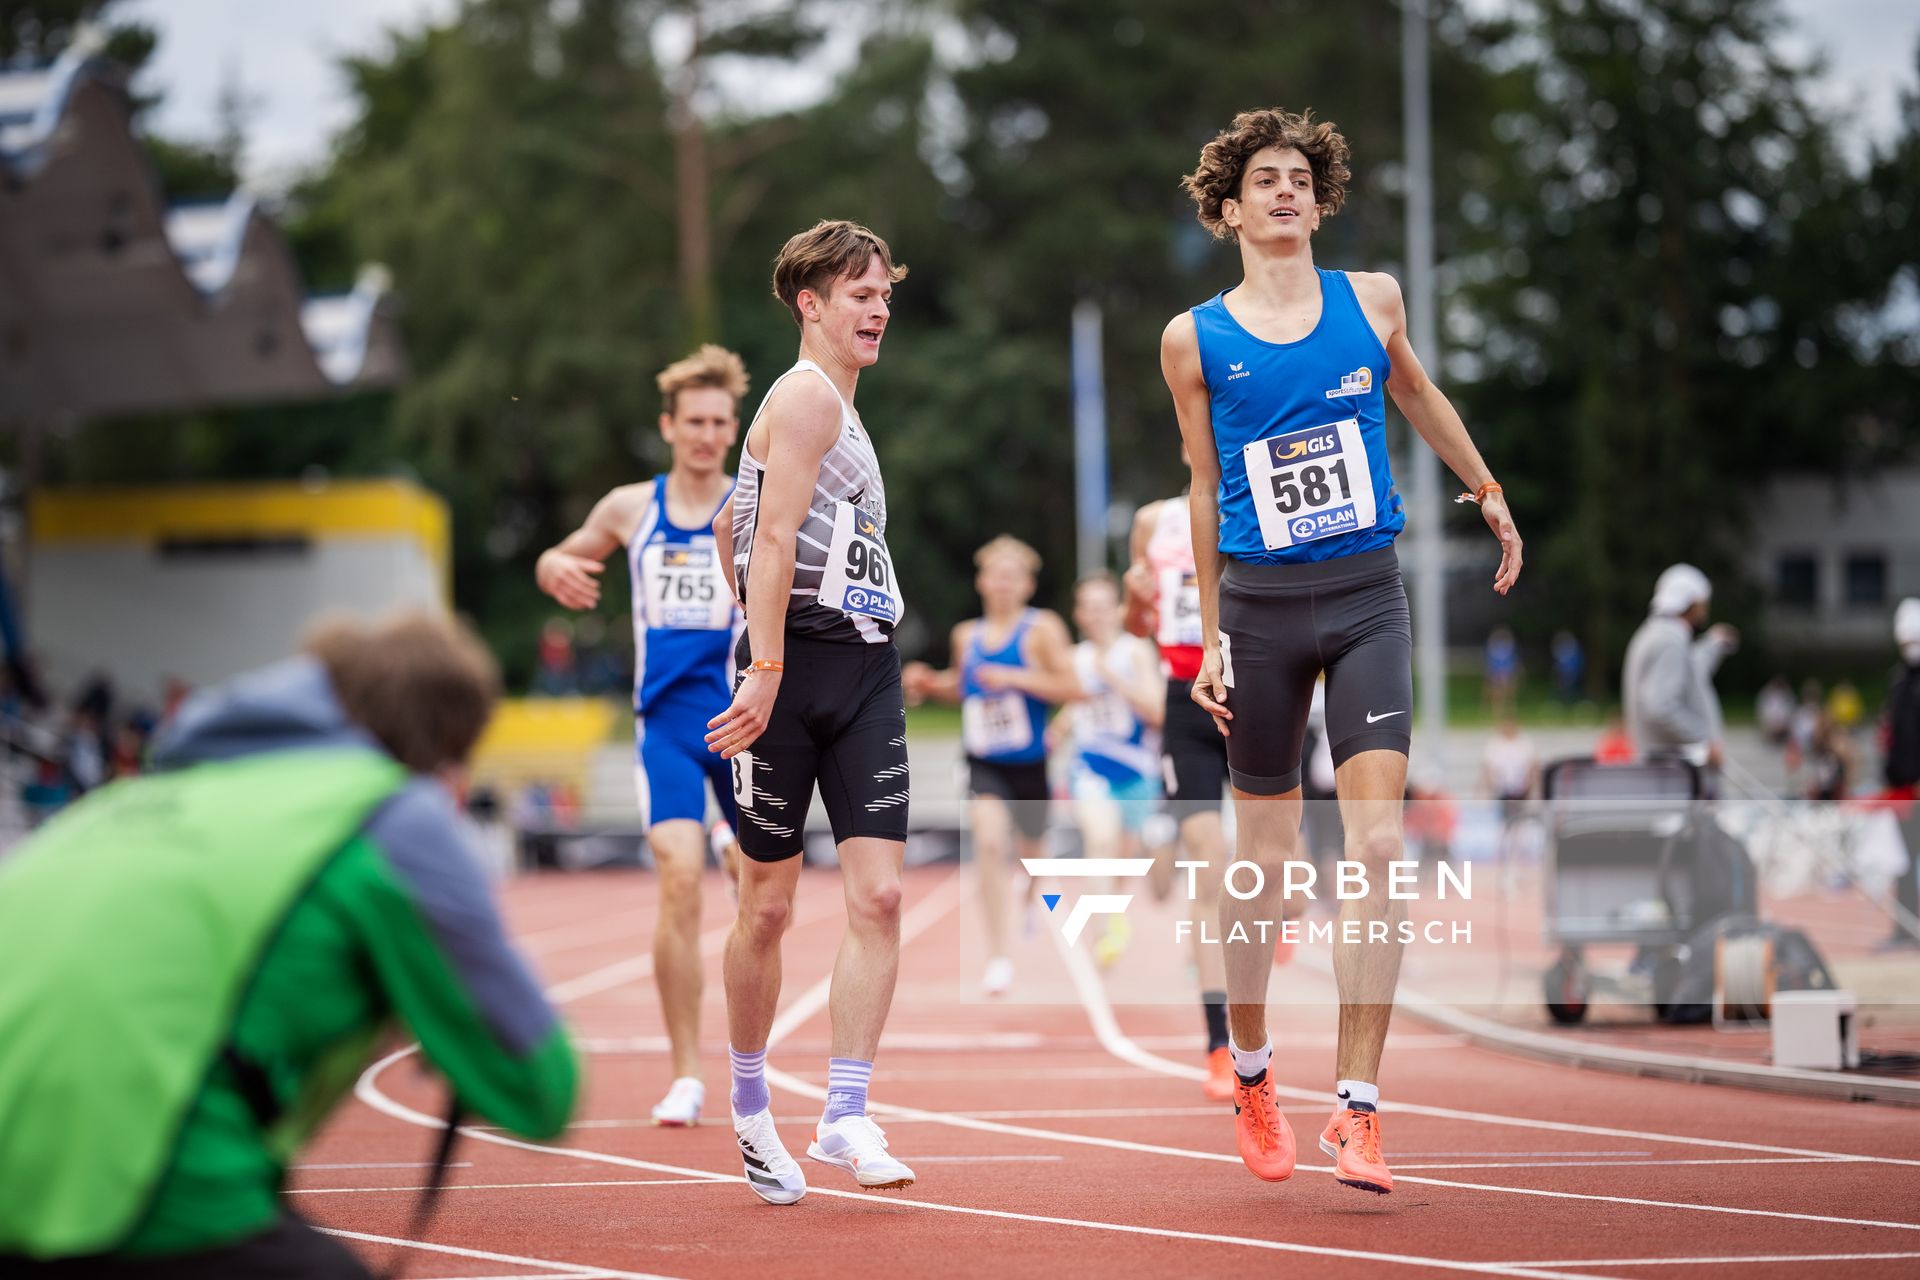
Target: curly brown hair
{"points": [[1223, 162]]}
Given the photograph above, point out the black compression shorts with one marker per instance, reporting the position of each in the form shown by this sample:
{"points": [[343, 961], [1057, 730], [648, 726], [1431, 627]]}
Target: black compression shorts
{"points": [[1280, 627], [1193, 755], [839, 720], [1023, 786]]}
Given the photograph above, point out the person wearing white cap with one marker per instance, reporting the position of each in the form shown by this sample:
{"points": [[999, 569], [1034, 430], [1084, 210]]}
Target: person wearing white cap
{"points": [[1667, 681], [1900, 728]]}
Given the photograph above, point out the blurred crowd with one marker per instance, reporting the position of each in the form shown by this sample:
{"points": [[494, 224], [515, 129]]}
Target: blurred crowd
{"points": [[56, 751]]}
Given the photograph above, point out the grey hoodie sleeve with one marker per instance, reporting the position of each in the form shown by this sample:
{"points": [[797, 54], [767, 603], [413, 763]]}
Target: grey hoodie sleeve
{"points": [[1668, 698]]}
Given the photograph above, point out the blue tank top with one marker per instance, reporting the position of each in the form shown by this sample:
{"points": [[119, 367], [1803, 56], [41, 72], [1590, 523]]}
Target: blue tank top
{"points": [[1302, 434], [1008, 726], [683, 616]]}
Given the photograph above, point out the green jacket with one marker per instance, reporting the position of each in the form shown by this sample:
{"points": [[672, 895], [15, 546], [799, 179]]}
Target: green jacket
{"points": [[195, 965]]}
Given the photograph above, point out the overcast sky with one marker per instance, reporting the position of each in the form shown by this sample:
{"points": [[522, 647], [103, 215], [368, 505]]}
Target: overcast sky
{"points": [[283, 55]]}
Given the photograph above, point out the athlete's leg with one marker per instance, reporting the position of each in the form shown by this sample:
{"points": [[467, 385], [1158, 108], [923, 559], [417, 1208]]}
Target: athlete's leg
{"points": [[869, 959], [992, 840], [1371, 786], [1267, 834], [1202, 839], [751, 967], [864, 783], [679, 857]]}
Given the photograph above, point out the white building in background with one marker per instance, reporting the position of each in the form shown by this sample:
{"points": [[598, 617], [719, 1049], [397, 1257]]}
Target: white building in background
{"points": [[1832, 557], [200, 583]]}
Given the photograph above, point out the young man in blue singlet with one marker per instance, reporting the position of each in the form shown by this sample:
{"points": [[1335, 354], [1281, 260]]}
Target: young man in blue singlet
{"points": [[1277, 384], [683, 627], [1009, 664]]}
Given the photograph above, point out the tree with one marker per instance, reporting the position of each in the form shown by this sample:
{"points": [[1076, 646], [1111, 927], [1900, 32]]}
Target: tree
{"points": [[1651, 296]]}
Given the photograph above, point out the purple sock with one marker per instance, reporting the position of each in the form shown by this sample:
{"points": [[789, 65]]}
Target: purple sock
{"points": [[749, 1081], [847, 1080]]}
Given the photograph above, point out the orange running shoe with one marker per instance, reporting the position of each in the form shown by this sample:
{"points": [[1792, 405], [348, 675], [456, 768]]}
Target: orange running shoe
{"points": [[1352, 1138], [1219, 1085], [1266, 1139]]}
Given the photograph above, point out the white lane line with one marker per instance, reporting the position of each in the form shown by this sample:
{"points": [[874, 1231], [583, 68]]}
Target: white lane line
{"points": [[368, 1091], [564, 1268], [1727, 1261], [386, 1164], [1100, 1014], [503, 1186], [919, 1159], [1127, 1050], [1621, 1164]]}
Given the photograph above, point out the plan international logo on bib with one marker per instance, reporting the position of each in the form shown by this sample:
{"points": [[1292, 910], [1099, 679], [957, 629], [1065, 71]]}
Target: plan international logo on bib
{"points": [[1357, 383]]}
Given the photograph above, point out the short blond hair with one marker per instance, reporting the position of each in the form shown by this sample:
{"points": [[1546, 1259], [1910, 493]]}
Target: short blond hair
{"points": [[419, 681], [711, 366], [1007, 544], [823, 253]]}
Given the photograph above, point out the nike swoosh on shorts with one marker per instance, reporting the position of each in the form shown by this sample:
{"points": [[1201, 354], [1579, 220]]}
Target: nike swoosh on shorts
{"points": [[1385, 715]]}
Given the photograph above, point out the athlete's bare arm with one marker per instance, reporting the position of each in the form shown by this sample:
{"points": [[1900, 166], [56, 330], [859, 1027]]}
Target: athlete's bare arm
{"points": [[799, 424], [1180, 365], [1142, 595], [1048, 673], [723, 541], [921, 681], [568, 571], [1139, 680], [1433, 415]]}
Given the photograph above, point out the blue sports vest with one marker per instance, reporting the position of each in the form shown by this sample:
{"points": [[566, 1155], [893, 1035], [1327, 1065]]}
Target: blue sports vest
{"points": [[683, 618], [1008, 655], [1301, 432]]}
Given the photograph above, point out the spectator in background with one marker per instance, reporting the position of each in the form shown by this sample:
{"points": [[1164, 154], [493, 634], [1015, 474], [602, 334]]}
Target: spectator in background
{"points": [[1503, 670], [557, 672], [1829, 763], [1667, 684], [1805, 723], [86, 749], [1844, 707], [1569, 667], [1773, 709], [1900, 743], [1509, 772], [1614, 746], [598, 670]]}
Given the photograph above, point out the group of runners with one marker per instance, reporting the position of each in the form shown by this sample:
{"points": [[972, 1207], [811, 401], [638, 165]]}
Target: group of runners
{"points": [[764, 610]]}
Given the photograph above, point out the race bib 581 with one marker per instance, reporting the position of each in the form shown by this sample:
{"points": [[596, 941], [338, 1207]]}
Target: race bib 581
{"points": [[1308, 485]]}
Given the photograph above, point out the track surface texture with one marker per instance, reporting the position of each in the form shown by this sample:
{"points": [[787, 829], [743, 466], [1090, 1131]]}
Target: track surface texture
{"points": [[1072, 1139]]}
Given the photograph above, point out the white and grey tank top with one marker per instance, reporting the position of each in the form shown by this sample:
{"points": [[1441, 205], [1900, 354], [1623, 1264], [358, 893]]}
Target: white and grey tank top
{"points": [[843, 586]]}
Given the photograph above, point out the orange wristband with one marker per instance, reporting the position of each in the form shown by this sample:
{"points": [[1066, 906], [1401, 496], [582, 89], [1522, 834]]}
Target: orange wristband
{"points": [[1491, 486], [767, 664]]}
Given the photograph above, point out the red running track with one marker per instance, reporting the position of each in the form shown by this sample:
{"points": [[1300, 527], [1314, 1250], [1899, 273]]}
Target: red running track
{"points": [[1073, 1140]]}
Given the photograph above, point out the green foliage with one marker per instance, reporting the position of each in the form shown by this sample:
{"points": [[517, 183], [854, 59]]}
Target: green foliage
{"points": [[1652, 297], [1661, 280]]}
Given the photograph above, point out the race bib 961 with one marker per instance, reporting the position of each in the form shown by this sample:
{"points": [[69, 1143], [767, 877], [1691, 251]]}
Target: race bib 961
{"points": [[859, 572]]}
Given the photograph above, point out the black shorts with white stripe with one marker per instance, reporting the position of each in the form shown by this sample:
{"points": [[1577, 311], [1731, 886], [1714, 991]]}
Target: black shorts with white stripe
{"points": [[840, 721]]}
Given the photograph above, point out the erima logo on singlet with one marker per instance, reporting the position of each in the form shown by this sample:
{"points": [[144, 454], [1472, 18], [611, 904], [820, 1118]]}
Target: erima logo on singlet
{"points": [[1238, 371], [1357, 383]]}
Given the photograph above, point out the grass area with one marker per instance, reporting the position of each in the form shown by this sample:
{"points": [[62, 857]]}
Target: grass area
{"points": [[934, 719]]}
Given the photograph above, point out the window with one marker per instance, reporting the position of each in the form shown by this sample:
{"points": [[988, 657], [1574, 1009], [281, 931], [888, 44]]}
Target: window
{"points": [[1796, 580], [1866, 579]]}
